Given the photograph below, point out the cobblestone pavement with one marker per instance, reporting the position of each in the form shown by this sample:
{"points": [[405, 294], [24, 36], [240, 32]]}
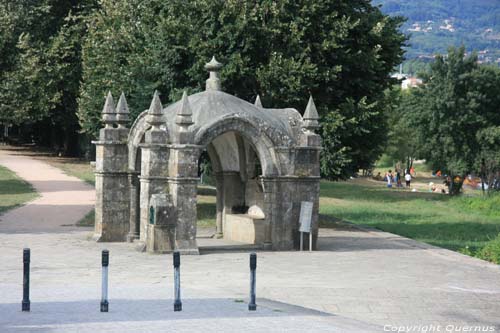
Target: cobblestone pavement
{"points": [[359, 281]]}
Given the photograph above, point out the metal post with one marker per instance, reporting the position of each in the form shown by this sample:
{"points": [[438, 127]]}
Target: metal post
{"points": [[177, 281], [105, 264], [26, 280], [301, 241], [253, 266]]}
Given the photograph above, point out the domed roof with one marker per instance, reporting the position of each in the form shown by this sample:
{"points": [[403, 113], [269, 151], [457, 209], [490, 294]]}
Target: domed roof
{"points": [[212, 106]]}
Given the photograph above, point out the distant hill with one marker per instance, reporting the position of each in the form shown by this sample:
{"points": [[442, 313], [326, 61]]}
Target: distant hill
{"points": [[434, 25]]}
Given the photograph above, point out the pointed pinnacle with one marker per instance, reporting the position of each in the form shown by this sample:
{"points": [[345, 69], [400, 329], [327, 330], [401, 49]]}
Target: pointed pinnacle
{"points": [[258, 103], [185, 109], [311, 112], [155, 108], [122, 107], [184, 113], [109, 105]]}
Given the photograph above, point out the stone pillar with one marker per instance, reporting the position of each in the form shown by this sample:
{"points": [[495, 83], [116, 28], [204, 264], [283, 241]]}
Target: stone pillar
{"points": [[133, 179], [112, 192], [183, 182], [307, 160], [268, 207], [154, 167], [219, 184]]}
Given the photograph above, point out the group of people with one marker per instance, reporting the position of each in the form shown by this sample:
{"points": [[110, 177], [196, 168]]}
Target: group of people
{"points": [[395, 178], [391, 178]]}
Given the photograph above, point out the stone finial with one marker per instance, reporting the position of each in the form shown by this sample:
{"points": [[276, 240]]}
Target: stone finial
{"points": [[122, 112], [184, 113], [310, 116], [258, 103], [155, 114], [108, 112], [213, 67]]}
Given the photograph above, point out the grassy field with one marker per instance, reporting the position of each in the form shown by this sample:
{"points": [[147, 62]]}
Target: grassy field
{"points": [[466, 224], [13, 190], [77, 168]]}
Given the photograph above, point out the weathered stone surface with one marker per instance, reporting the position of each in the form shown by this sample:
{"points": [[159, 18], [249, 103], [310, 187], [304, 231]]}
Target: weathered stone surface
{"points": [[265, 161], [245, 228]]}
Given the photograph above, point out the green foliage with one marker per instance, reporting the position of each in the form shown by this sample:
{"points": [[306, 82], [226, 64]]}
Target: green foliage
{"points": [[339, 51], [41, 76], [455, 114], [486, 205], [402, 144], [13, 190], [491, 251]]}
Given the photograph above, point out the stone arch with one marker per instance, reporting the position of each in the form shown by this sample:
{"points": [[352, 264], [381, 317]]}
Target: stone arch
{"points": [[135, 137], [262, 144]]}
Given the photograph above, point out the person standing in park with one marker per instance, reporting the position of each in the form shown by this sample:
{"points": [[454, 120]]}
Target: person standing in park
{"points": [[389, 179], [398, 179], [408, 180]]}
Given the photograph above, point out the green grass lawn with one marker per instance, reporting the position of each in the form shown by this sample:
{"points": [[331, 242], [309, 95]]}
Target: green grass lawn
{"points": [[74, 167], [13, 190], [461, 224]]}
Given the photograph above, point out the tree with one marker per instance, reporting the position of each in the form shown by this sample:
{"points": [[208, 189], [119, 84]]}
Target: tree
{"points": [[42, 73], [341, 52], [456, 115], [402, 144]]}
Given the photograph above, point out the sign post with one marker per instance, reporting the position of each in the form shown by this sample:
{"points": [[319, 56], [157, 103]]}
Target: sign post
{"points": [[305, 223]]}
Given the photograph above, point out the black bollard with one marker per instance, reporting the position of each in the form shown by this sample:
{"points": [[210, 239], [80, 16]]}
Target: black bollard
{"points": [[177, 281], [104, 297], [26, 280], [253, 266]]}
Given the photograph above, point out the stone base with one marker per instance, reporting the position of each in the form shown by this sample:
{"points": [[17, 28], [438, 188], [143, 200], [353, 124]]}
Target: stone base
{"points": [[187, 247], [245, 228], [97, 238], [140, 247], [160, 239], [132, 237], [100, 238]]}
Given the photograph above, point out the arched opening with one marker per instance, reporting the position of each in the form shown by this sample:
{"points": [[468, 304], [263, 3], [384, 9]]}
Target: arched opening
{"points": [[230, 200]]}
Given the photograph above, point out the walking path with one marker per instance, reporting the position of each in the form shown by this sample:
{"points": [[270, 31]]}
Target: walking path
{"points": [[359, 281], [63, 201]]}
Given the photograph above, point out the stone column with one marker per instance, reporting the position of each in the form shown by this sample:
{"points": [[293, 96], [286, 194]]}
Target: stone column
{"points": [[133, 179], [219, 184], [112, 192], [269, 207], [183, 182], [154, 166]]}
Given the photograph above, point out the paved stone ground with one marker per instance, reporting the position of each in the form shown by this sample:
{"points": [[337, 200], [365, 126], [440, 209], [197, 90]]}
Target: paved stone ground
{"points": [[359, 281]]}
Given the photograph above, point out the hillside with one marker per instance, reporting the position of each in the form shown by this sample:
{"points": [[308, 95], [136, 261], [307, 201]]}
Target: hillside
{"points": [[434, 25]]}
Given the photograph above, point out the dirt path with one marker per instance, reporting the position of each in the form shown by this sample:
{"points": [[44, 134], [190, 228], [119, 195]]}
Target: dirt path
{"points": [[63, 201]]}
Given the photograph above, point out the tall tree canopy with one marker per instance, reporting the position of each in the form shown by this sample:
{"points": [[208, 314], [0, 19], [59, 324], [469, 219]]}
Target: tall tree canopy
{"points": [[40, 66], [455, 115], [341, 52], [58, 57]]}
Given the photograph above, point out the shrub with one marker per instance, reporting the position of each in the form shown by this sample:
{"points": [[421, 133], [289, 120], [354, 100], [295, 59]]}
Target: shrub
{"points": [[491, 252]]}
